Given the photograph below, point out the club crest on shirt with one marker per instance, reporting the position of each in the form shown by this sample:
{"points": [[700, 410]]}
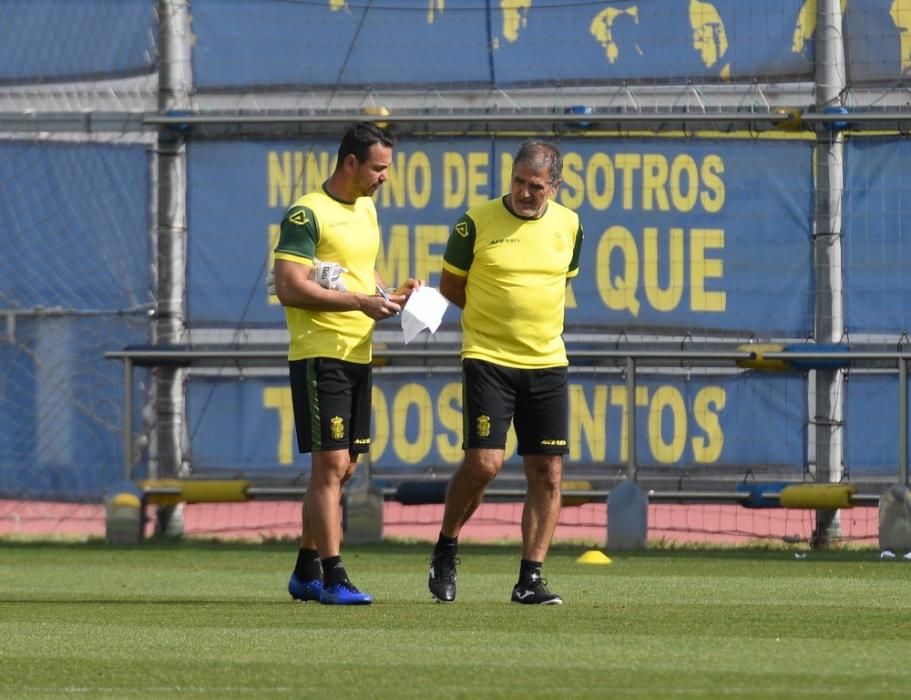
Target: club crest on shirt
{"points": [[483, 426], [559, 241], [298, 217], [337, 427]]}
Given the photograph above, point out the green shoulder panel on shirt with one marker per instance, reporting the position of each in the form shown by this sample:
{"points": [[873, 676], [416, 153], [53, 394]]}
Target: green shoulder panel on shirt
{"points": [[299, 233], [577, 252], [460, 247]]}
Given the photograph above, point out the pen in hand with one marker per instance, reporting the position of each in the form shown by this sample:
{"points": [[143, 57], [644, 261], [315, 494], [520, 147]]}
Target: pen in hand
{"points": [[385, 296]]}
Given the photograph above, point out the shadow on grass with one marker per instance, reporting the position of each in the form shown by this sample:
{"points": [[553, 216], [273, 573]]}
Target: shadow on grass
{"points": [[655, 550]]}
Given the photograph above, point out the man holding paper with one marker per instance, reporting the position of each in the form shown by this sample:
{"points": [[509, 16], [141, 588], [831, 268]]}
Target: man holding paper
{"points": [[325, 277], [507, 264]]}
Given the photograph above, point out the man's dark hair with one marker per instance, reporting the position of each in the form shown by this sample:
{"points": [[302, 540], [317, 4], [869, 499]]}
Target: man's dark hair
{"points": [[541, 155], [359, 138]]}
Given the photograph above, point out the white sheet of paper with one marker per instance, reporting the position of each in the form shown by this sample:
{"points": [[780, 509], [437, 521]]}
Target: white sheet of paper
{"points": [[424, 311]]}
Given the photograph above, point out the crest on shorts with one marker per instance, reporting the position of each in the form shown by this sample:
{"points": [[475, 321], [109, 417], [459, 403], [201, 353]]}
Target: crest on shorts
{"points": [[484, 426], [337, 427], [461, 228]]}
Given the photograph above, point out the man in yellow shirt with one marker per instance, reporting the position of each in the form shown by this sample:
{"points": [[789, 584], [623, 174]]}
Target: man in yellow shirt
{"points": [[506, 265], [326, 278]]}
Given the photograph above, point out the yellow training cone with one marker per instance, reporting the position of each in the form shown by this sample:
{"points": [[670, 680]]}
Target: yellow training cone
{"points": [[594, 556]]}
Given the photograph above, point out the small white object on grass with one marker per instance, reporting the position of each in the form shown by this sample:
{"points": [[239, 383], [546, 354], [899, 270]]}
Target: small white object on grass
{"points": [[887, 554]]}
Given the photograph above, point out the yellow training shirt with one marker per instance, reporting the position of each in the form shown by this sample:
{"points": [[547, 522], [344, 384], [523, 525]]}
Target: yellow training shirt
{"points": [[320, 226], [516, 272]]}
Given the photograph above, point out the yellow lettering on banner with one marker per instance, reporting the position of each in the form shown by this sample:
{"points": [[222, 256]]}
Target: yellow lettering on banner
{"points": [[620, 293], [667, 397], [317, 172], [409, 182], [505, 172], [279, 399], [449, 408], [684, 195], [427, 262], [601, 164], [588, 422], [618, 395], [454, 180], [290, 175], [420, 180], [713, 200], [392, 260], [280, 179], [477, 178], [645, 181], [588, 425], [708, 403], [702, 268], [654, 183], [436, 421], [381, 432], [299, 172], [628, 163], [394, 187], [668, 298], [572, 191], [416, 396]]}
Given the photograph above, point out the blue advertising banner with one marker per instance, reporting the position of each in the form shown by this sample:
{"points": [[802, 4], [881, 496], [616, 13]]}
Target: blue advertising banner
{"points": [[745, 419], [61, 406], [450, 43], [696, 234], [74, 284], [877, 40], [75, 228], [871, 442], [54, 40], [876, 250]]}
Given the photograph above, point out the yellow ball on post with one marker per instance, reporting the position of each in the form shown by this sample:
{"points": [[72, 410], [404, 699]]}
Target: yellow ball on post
{"points": [[793, 120], [377, 111], [124, 516], [125, 500], [576, 500], [759, 361]]}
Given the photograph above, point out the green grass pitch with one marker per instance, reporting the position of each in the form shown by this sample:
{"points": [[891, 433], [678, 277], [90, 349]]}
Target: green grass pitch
{"points": [[196, 619]]}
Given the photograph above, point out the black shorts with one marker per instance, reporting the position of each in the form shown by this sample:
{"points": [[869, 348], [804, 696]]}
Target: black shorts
{"points": [[536, 400], [331, 400]]}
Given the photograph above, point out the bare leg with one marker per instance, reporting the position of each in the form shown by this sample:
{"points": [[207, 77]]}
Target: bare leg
{"points": [[321, 513], [307, 541], [542, 504], [466, 488]]}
